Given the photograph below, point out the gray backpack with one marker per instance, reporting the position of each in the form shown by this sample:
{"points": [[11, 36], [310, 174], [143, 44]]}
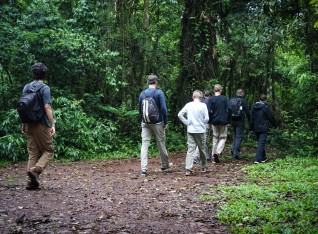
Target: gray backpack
{"points": [[150, 110]]}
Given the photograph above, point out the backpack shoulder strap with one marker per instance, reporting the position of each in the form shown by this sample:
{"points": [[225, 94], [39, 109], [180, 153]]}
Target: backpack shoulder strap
{"points": [[153, 93], [37, 88]]}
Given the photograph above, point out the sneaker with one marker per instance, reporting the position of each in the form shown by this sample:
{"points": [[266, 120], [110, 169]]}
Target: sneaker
{"points": [[216, 158], [203, 169], [33, 178], [143, 172], [256, 162], [167, 168], [189, 173], [237, 157], [31, 187], [263, 161]]}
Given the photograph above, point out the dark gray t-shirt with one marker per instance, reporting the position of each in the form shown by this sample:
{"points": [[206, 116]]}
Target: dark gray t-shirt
{"points": [[45, 92]]}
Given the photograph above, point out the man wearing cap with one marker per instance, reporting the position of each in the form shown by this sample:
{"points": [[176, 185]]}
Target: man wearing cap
{"points": [[156, 128]]}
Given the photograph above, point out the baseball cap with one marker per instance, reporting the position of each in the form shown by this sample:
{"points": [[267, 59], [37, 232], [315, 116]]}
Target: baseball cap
{"points": [[152, 79]]}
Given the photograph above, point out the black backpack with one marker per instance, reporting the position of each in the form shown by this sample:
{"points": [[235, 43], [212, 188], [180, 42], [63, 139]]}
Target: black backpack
{"points": [[150, 111], [236, 107], [30, 105]]}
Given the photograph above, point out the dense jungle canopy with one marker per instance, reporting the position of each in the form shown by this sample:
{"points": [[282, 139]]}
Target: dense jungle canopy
{"points": [[99, 54]]}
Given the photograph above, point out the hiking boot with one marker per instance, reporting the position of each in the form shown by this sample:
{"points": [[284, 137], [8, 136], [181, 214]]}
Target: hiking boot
{"points": [[189, 173], [216, 158], [167, 168], [33, 179], [143, 172]]}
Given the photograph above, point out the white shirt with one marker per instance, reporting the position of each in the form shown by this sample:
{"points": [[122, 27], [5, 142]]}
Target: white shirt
{"points": [[197, 116]]}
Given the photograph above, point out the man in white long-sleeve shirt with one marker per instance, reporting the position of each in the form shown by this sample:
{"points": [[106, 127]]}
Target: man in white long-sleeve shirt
{"points": [[197, 117]]}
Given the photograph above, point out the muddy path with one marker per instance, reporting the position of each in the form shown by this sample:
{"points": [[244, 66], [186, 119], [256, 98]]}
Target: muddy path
{"points": [[111, 197]]}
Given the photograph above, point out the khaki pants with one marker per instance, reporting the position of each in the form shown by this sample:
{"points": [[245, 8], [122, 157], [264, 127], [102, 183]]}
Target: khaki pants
{"points": [[219, 138], [147, 131], [40, 147], [196, 140]]}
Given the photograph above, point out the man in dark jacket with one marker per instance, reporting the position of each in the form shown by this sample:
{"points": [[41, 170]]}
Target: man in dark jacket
{"points": [[261, 116], [219, 107], [238, 122]]}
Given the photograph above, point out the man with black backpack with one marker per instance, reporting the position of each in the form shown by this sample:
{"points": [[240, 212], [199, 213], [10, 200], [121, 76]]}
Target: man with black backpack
{"points": [[154, 121], [38, 124], [239, 108]]}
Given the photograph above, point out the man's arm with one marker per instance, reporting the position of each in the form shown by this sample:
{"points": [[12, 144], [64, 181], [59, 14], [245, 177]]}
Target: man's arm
{"points": [[181, 114], [49, 114], [270, 116], [206, 115], [164, 110], [246, 110]]}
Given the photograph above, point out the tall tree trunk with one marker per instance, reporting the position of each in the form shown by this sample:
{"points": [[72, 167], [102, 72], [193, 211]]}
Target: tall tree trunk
{"points": [[197, 49]]}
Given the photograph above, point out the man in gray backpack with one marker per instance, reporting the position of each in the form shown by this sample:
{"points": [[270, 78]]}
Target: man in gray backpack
{"points": [[153, 123], [239, 108], [39, 134]]}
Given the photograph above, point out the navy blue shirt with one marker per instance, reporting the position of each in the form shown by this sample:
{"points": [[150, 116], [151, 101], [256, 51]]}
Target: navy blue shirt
{"points": [[160, 101], [218, 108]]}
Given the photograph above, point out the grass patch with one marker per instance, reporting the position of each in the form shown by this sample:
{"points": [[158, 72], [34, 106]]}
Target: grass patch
{"points": [[5, 163], [278, 197]]}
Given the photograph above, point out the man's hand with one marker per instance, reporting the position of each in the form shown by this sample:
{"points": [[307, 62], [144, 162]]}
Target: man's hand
{"points": [[24, 128], [52, 131], [165, 126]]}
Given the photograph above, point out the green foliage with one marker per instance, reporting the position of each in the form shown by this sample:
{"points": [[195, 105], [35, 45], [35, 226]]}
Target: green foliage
{"points": [[12, 140], [99, 53], [298, 137], [315, 5], [79, 135], [278, 197]]}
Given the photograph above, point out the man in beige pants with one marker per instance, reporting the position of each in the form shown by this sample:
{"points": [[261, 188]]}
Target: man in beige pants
{"points": [[39, 135], [221, 114], [155, 127]]}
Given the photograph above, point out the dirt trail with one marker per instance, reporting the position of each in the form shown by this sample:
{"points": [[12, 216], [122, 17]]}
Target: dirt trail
{"points": [[111, 197]]}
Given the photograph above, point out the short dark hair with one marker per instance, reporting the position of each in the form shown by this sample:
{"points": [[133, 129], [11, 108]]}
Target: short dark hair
{"points": [[207, 93], [240, 92], [39, 71], [262, 97]]}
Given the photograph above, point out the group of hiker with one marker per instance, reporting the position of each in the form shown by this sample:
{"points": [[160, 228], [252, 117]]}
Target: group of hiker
{"points": [[204, 114], [200, 116]]}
